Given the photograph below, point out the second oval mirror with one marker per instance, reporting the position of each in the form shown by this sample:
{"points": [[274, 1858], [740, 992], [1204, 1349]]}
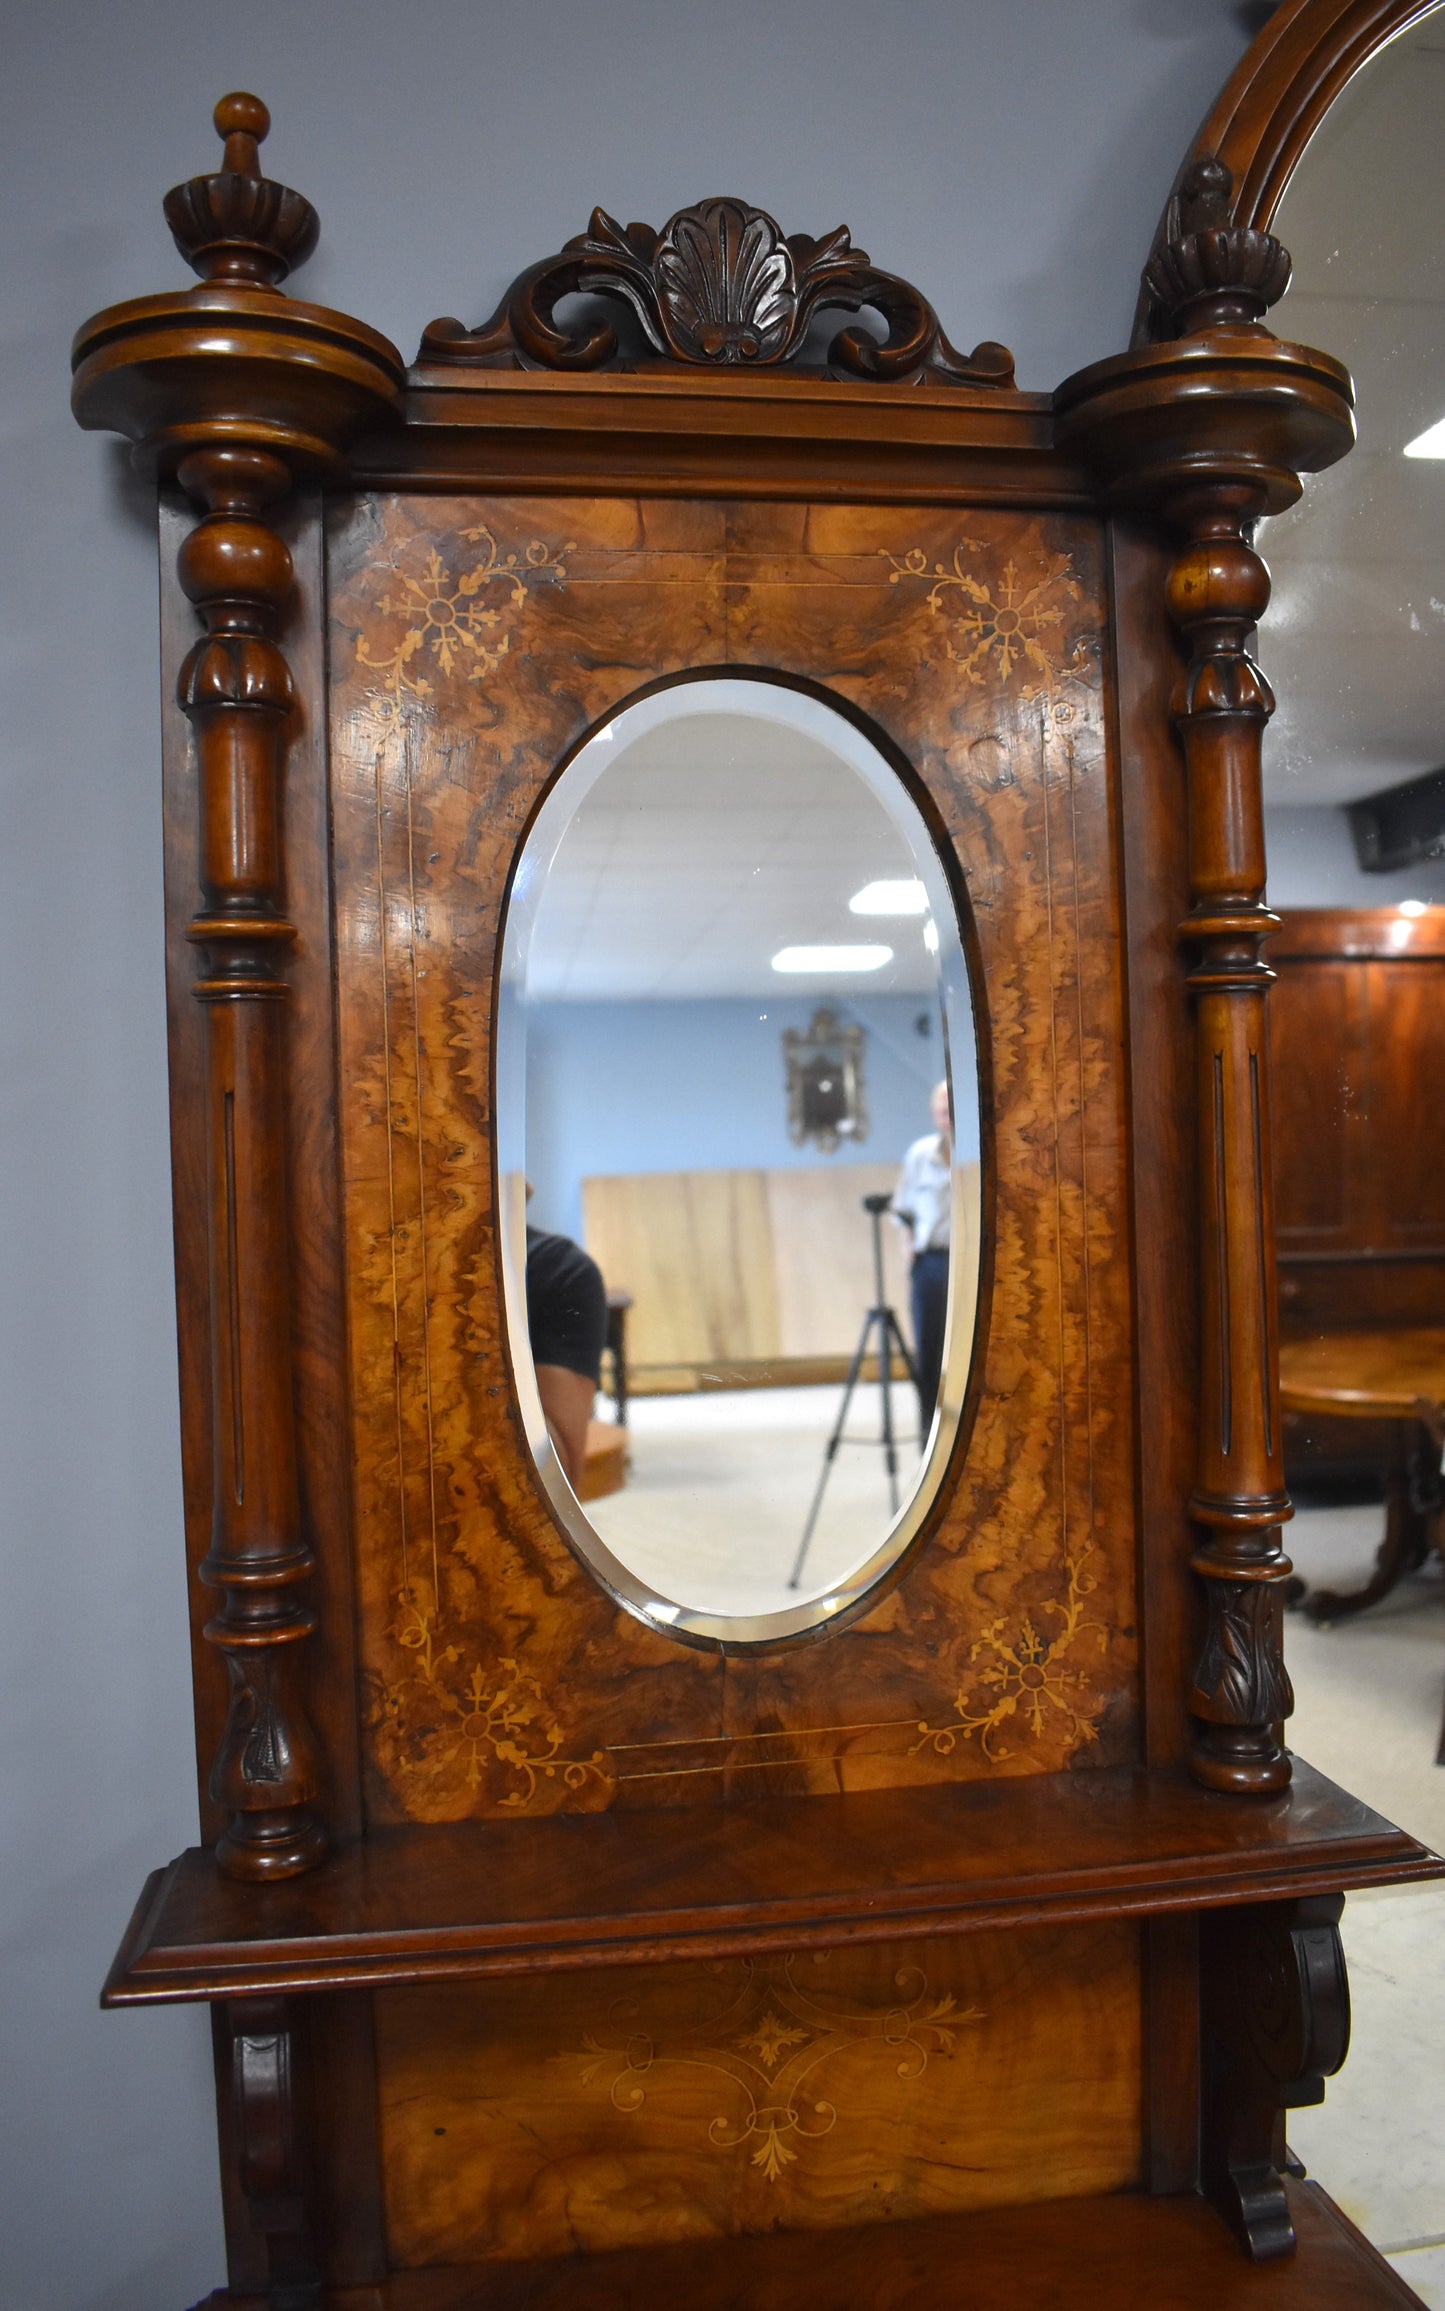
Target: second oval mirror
{"points": [[738, 1134]]}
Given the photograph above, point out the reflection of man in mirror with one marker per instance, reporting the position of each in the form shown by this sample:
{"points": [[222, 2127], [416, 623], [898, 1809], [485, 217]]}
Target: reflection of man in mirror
{"points": [[567, 1326], [923, 1201]]}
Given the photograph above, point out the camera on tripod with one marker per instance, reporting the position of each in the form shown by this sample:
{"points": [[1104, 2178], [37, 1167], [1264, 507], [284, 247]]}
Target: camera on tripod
{"points": [[881, 1327]]}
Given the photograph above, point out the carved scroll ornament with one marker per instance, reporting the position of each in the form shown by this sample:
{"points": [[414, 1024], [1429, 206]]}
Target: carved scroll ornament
{"points": [[720, 286]]}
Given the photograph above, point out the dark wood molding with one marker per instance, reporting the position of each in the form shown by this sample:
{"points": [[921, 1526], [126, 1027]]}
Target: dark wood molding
{"points": [[464, 1901], [260, 2057], [235, 689], [232, 363], [1276, 2025], [1175, 428], [1126, 2252], [1358, 934], [720, 286]]}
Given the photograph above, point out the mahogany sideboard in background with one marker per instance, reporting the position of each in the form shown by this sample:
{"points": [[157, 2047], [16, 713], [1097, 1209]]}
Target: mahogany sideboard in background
{"points": [[1357, 1050]]}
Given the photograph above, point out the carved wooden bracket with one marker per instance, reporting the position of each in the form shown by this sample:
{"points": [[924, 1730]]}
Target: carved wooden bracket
{"points": [[719, 286], [260, 2036], [1276, 2025]]}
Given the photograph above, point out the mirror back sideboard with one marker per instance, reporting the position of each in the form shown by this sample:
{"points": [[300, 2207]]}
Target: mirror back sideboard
{"points": [[557, 1956]]}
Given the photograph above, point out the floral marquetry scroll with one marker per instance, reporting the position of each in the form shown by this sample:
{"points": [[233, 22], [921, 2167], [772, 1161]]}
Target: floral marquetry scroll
{"points": [[809, 2090], [501, 1677]]}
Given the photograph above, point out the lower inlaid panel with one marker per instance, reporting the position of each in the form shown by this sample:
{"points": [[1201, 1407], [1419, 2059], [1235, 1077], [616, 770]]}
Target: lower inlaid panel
{"points": [[645, 2105]]}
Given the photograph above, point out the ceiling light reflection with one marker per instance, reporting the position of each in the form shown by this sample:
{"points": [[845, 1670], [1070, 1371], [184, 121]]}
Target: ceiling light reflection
{"points": [[904, 897], [832, 958]]}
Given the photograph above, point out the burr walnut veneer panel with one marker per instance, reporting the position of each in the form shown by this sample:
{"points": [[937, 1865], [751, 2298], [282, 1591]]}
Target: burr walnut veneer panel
{"points": [[475, 642], [802, 2091]]}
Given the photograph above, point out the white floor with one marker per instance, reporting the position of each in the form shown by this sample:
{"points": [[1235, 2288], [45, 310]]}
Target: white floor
{"points": [[713, 1511], [719, 1488], [1369, 1696]]}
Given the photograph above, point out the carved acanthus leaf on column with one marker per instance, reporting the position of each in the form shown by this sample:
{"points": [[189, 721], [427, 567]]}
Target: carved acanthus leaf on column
{"points": [[1209, 273]]}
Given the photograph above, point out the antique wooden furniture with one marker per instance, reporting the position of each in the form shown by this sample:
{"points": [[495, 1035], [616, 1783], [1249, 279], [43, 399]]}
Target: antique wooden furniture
{"points": [[955, 1955], [1396, 1378], [1357, 1047], [614, 1374]]}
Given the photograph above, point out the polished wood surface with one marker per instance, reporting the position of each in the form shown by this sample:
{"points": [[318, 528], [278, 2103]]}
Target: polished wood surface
{"points": [[473, 1899], [1357, 1034], [1006, 1642], [1395, 1374], [985, 580], [804, 2091], [1199, 457], [1396, 1378], [720, 285], [1119, 2253]]}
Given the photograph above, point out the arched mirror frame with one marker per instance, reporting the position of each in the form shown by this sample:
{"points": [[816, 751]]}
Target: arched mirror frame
{"points": [[1307, 54], [1179, 448]]}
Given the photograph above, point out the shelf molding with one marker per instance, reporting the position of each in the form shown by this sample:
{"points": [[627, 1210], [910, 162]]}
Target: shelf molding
{"points": [[457, 1902]]}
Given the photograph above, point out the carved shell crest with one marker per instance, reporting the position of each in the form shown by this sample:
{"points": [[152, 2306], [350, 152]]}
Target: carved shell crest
{"points": [[727, 286]]}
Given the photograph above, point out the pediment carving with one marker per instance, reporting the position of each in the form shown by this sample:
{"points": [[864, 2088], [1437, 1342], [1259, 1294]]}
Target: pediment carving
{"points": [[720, 286]]}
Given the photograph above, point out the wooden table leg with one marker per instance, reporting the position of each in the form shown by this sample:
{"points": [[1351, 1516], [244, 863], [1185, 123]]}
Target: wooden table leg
{"points": [[1412, 1502]]}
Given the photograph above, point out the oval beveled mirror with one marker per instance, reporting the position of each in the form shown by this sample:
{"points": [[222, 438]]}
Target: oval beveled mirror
{"points": [[738, 1148]]}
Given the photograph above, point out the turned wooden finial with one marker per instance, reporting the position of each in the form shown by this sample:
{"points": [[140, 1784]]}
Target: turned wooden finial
{"points": [[1209, 273], [240, 227]]}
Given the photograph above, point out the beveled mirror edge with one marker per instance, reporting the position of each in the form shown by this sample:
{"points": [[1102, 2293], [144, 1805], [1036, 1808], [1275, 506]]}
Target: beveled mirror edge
{"points": [[833, 1607]]}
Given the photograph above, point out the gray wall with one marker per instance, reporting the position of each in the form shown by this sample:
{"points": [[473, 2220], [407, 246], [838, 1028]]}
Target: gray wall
{"points": [[1312, 863], [1009, 155]]}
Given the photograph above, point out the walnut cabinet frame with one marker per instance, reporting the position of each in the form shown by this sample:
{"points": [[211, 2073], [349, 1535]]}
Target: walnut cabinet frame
{"points": [[554, 1962]]}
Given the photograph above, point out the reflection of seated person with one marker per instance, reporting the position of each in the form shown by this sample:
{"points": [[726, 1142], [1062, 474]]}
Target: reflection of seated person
{"points": [[923, 1201], [567, 1327]]}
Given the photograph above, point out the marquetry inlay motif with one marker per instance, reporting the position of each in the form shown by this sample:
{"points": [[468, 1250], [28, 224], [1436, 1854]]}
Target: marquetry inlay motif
{"points": [[463, 624], [499, 1678], [768, 2040], [1004, 621], [802, 2090], [1023, 1666], [499, 1734]]}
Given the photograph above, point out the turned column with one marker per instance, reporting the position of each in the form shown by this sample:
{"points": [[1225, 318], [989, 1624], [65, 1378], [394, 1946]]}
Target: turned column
{"points": [[1218, 589], [239, 392], [235, 688], [1204, 433]]}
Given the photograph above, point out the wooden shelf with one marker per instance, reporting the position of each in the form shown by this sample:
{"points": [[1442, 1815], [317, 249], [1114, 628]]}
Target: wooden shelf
{"points": [[1112, 2254], [429, 1904]]}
